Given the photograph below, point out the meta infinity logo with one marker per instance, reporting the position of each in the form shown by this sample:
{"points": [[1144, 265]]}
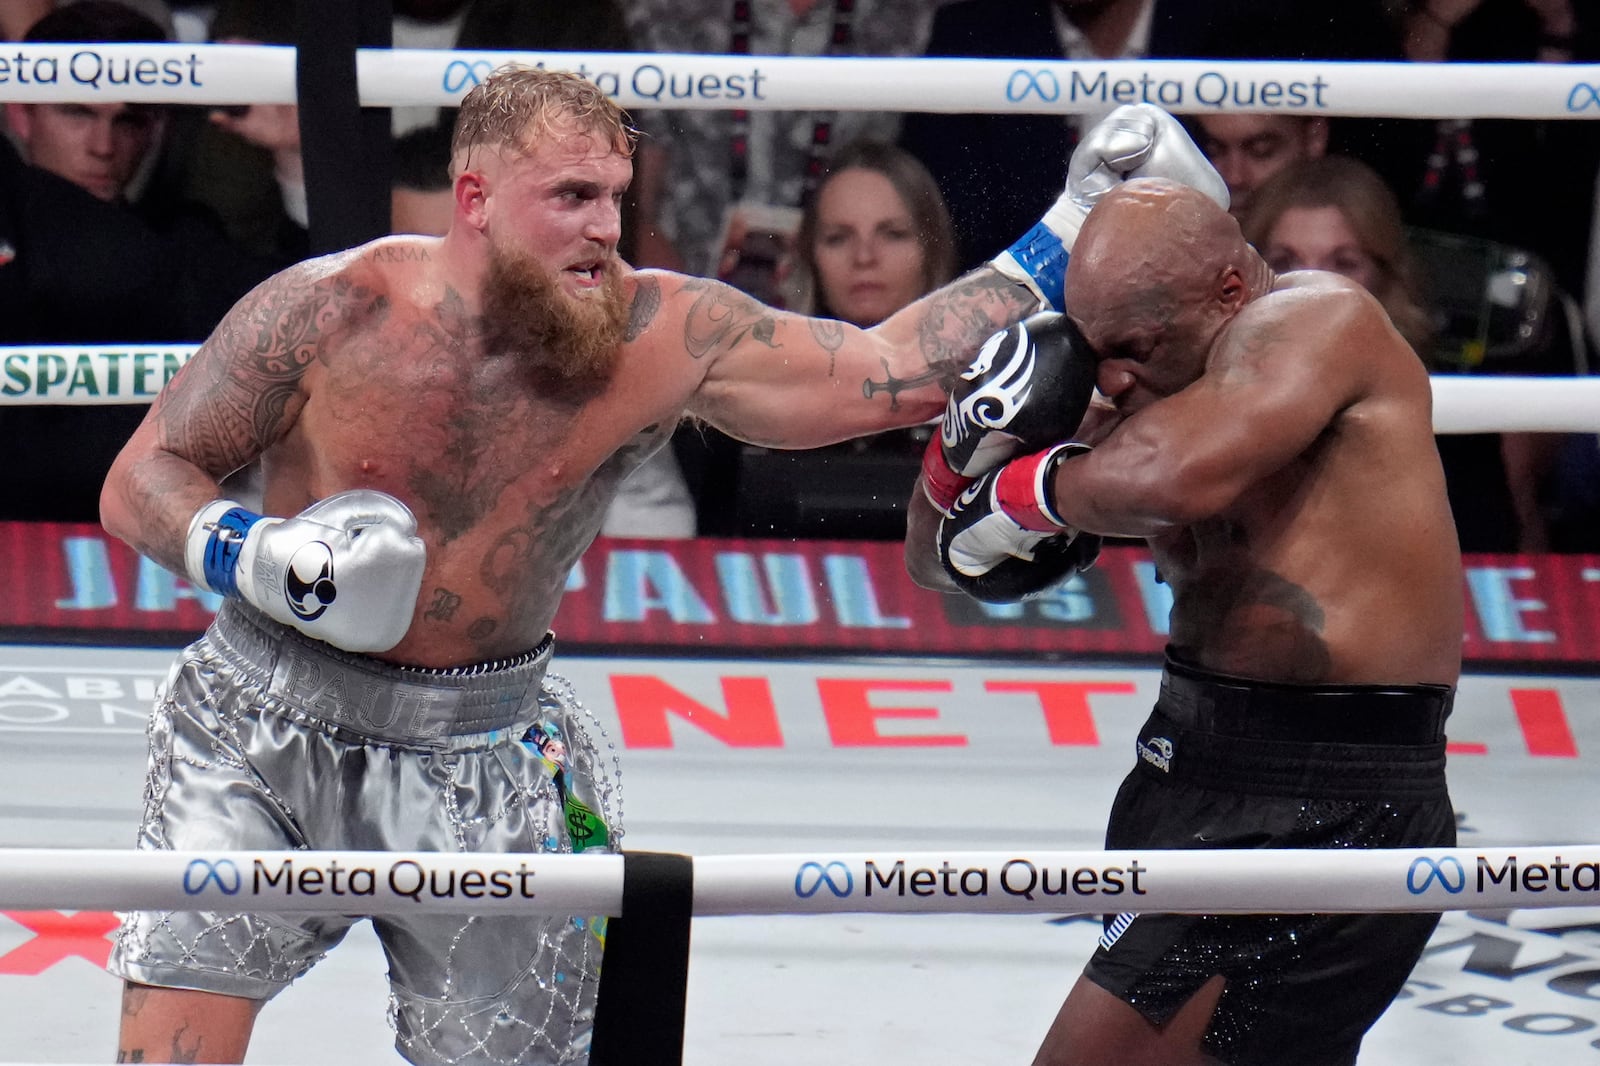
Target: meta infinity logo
{"points": [[1447, 871], [1040, 83], [460, 75], [812, 876], [1583, 96], [200, 873]]}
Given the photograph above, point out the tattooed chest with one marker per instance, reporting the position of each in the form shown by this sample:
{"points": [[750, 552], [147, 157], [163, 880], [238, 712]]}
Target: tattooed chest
{"points": [[466, 466], [456, 447]]}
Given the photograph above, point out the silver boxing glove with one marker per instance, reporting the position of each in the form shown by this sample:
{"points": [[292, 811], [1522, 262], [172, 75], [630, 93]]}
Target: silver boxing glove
{"points": [[1139, 141], [1134, 141], [346, 570]]}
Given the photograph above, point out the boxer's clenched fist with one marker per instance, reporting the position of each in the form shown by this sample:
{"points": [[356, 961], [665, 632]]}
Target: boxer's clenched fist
{"points": [[1134, 141], [1003, 540], [346, 570]]}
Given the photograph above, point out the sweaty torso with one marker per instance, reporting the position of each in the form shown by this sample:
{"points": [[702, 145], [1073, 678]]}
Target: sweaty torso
{"points": [[1341, 567], [508, 487]]}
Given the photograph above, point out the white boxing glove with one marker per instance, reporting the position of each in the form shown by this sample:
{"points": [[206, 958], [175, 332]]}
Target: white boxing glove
{"points": [[346, 570], [1134, 141]]}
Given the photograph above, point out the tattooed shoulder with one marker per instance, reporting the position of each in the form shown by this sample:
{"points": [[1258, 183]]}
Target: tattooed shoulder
{"points": [[646, 302], [253, 362], [285, 323], [723, 317]]}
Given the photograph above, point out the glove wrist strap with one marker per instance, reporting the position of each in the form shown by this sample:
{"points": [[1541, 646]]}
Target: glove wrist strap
{"points": [[1038, 259], [216, 537], [1025, 488], [940, 482]]}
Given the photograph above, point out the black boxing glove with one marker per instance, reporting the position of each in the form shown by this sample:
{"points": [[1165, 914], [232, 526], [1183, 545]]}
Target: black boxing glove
{"points": [[1003, 539], [1028, 387]]}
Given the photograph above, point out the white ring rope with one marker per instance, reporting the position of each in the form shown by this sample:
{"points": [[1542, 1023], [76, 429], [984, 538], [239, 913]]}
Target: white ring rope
{"points": [[240, 74], [965, 882], [125, 374], [265, 74]]}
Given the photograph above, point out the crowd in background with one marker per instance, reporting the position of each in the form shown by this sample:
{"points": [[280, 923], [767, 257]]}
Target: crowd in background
{"points": [[849, 214]]}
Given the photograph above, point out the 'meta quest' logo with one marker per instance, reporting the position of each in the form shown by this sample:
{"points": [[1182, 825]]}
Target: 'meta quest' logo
{"points": [[1425, 872], [1557, 875], [813, 877], [1583, 96], [202, 872]]}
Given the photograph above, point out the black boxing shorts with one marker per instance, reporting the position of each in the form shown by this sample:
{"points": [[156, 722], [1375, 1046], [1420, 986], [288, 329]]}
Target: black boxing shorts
{"points": [[1228, 762]]}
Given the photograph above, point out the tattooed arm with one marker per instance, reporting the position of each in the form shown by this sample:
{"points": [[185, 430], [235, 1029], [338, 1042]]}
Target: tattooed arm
{"points": [[238, 395], [789, 381]]}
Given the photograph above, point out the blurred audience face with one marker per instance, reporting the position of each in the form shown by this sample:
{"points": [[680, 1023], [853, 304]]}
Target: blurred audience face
{"points": [[1336, 213], [1249, 149], [1320, 238], [868, 258], [17, 15], [96, 146]]}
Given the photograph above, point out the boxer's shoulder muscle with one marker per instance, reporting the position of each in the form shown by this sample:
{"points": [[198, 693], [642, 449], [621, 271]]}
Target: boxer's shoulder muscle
{"points": [[244, 384], [289, 321]]}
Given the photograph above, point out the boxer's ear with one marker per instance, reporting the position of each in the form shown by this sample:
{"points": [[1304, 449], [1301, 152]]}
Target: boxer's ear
{"points": [[471, 190], [1233, 291]]}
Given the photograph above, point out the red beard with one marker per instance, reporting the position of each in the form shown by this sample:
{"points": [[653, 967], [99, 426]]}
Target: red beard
{"points": [[570, 345]]}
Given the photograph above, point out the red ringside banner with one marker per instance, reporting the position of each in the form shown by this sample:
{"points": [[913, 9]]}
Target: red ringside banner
{"points": [[803, 597]]}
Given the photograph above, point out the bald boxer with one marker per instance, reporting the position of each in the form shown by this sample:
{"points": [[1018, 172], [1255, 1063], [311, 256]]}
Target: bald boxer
{"points": [[439, 424], [1270, 437]]}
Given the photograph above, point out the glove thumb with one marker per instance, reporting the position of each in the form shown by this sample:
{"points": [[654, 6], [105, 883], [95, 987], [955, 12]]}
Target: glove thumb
{"points": [[358, 508]]}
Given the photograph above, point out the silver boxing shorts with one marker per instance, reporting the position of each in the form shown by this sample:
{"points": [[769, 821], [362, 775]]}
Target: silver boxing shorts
{"points": [[264, 739]]}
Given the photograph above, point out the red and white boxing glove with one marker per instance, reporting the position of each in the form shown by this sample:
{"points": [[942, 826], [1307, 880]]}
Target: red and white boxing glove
{"points": [[1004, 539], [346, 570]]}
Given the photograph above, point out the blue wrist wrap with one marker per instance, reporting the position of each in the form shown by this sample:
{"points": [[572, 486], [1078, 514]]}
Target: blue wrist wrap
{"points": [[222, 550], [1041, 253]]}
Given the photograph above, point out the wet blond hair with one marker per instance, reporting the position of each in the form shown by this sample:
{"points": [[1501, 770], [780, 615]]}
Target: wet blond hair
{"points": [[516, 107]]}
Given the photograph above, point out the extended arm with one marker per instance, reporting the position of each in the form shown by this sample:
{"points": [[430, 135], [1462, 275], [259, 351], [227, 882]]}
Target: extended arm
{"points": [[792, 382], [789, 381]]}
